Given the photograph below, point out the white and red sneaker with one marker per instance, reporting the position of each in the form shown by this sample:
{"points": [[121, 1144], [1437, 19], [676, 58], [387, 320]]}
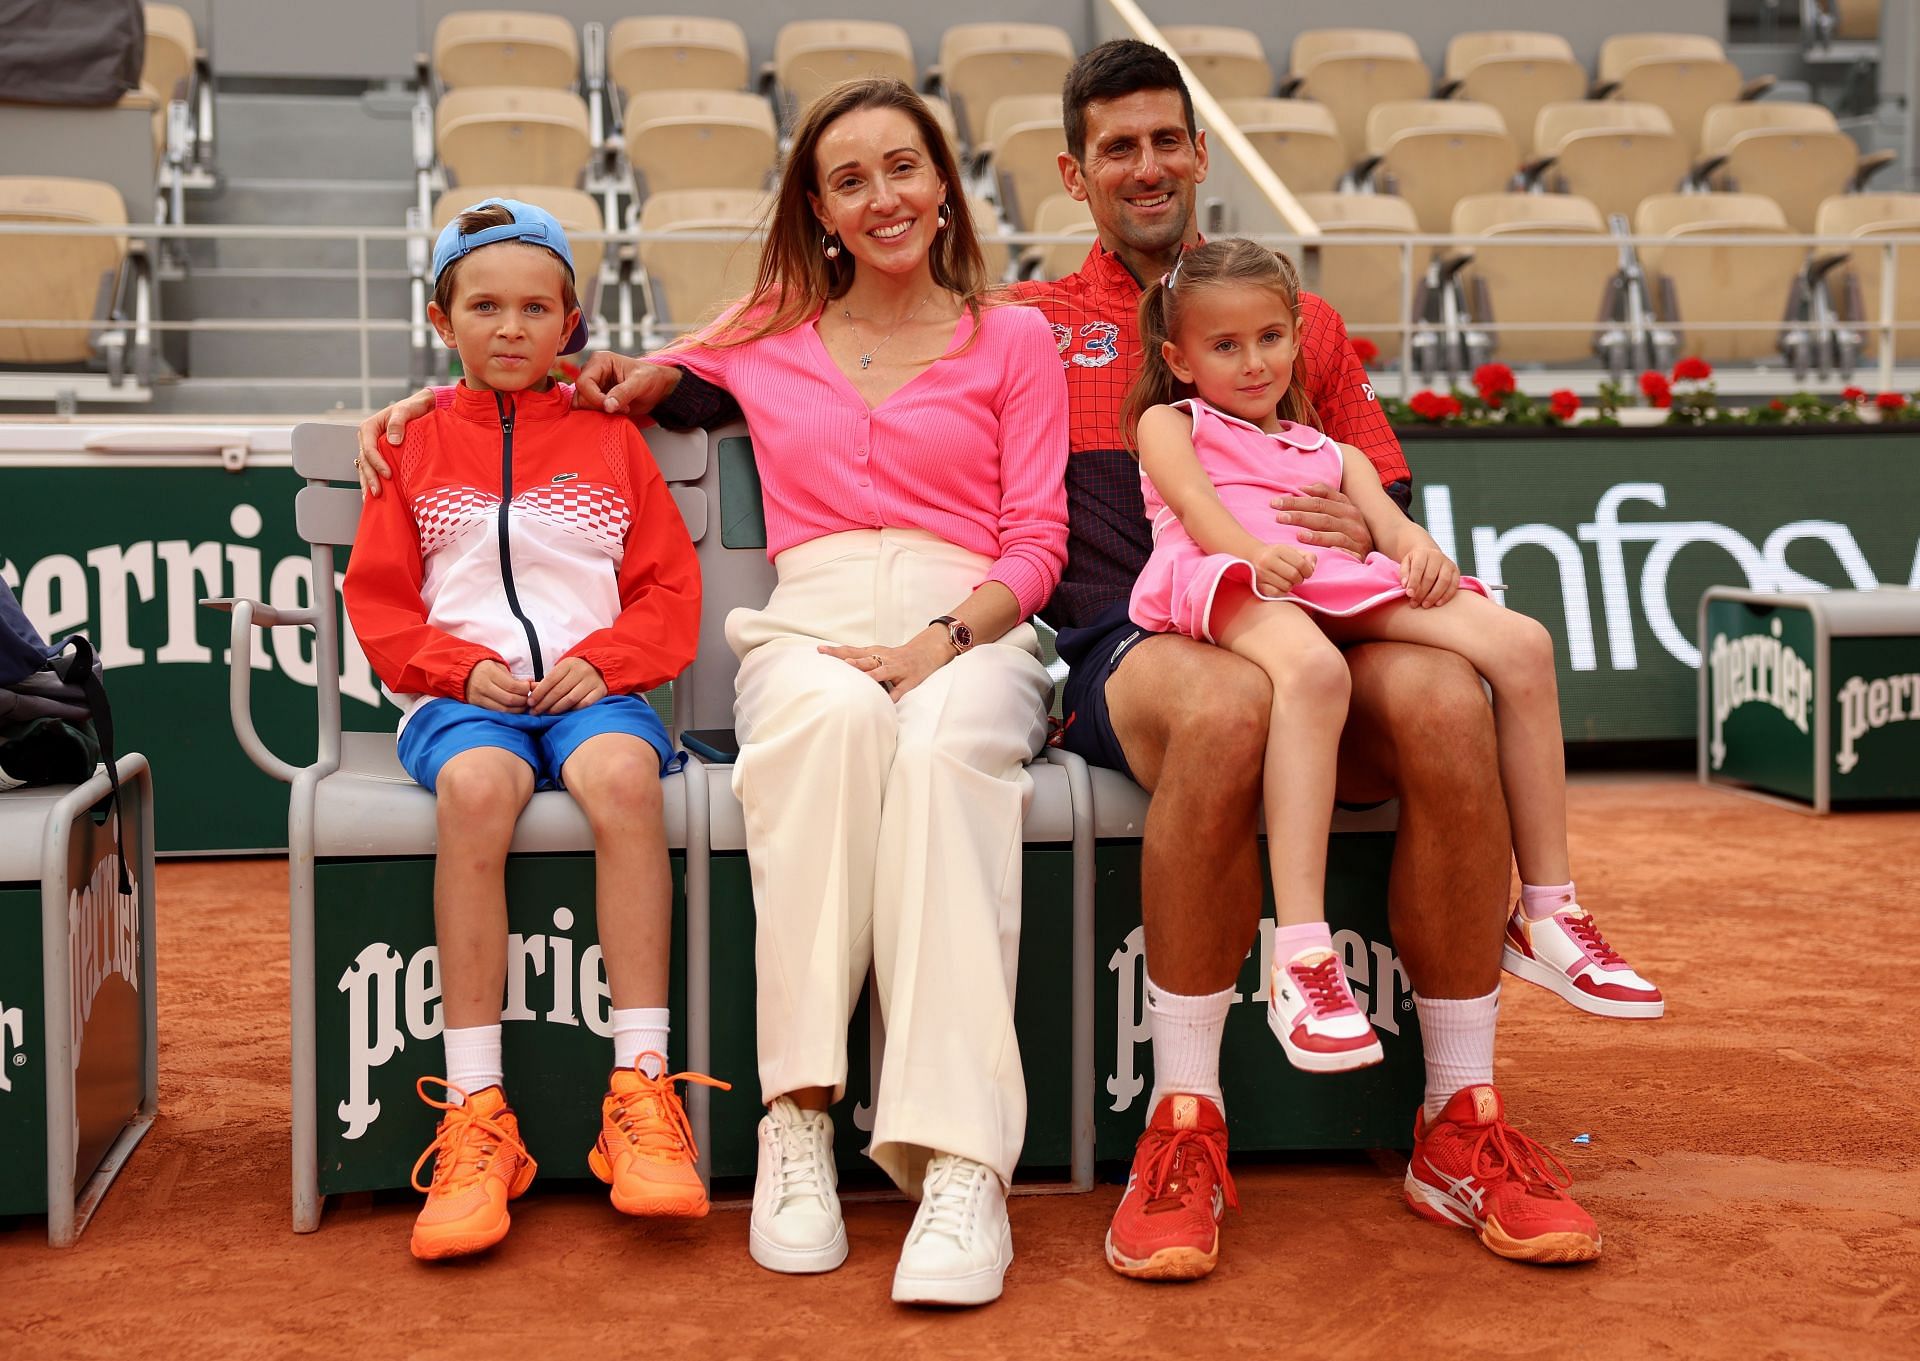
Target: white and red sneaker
{"points": [[1312, 1013], [1565, 953]]}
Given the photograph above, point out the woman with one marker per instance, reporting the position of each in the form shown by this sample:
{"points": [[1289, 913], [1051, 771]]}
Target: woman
{"points": [[911, 444]]}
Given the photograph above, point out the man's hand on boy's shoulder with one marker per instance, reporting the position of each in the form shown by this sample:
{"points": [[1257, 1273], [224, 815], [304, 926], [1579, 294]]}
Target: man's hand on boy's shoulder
{"points": [[573, 684], [491, 686], [391, 421]]}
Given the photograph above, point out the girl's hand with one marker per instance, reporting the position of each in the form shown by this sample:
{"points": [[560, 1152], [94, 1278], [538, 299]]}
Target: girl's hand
{"points": [[574, 684], [1430, 576], [899, 669], [1280, 568], [491, 686]]}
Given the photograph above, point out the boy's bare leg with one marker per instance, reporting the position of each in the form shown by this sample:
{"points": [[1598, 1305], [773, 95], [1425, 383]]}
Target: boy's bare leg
{"points": [[478, 797], [615, 778]]}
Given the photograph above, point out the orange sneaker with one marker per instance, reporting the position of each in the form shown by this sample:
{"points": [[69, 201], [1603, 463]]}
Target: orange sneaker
{"points": [[645, 1150], [479, 1164]]}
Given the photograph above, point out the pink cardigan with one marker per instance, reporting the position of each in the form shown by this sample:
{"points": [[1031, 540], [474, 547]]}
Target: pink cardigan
{"points": [[973, 449]]}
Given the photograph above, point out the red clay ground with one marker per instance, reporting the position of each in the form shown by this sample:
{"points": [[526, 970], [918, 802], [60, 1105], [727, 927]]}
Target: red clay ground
{"points": [[1752, 1167]]}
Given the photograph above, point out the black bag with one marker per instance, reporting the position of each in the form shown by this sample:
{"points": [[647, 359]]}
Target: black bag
{"points": [[71, 51]]}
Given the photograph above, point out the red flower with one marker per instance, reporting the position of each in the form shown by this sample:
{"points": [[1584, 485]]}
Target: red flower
{"points": [[1450, 405], [1365, 350], [1563, 404], [1852, 396], [1692, 369], [1656, 388], [1777, 405], [1434, 406], [1891, 401], [1493, 381]]}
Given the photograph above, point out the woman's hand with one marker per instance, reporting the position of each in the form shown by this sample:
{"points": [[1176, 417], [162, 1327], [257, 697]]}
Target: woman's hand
{"points": [[1430, 576], [1278, 569], [1326, 518], [620, 383], [491, 686], [392, 422], [899, 669], [574, 684]]}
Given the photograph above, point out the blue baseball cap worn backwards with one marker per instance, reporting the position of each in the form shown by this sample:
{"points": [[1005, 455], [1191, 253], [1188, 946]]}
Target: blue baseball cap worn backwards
{"points": [[534, 225]]}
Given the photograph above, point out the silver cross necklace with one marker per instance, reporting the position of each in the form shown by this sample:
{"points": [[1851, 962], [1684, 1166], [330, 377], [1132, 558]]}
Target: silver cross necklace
{"points": [[866, 360]]}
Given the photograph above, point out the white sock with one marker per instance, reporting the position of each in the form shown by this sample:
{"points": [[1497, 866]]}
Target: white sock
{"points": [[473, 1058], [1457, 1033], [637, 1031], [1186, 1043]]}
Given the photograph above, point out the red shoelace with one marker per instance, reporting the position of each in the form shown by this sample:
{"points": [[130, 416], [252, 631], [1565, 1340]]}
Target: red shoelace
{"points": [[1168, 1160], [1324, 987], [1592, 941], [1500, 1149]]}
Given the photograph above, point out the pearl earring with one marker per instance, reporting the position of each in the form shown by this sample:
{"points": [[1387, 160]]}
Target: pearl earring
{"points": [[830, 245]]}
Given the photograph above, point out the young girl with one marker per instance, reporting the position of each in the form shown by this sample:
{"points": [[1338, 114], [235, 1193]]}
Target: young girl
{"points": [[1220, 333]]}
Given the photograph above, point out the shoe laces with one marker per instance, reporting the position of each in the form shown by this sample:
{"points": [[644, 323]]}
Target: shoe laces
{"points": [[651, 1117], [804, 1145], [465, 1145], [1169, 1163], [1583, 930], [949, 1199], [1325, 986], [1501, 1152]]}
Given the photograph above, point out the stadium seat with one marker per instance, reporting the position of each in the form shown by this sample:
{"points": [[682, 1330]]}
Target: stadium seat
{"points": [[1351, 70], [943, 115], [1793, 153], [1684, 73], [1536, 284], [58, 278], [1518, 73], [1700, 289], [1434, 152], [691, 279], [172, 50], [811, 54], [980, 63], [1856, 20], [1230, 62], [1364, 281], [1025, 137], [1612, 152], [1059, 215], [700, 139], [505, 48], [1297, 137], [1868, 216], [992, 233], [495, 134], [676, 52]]}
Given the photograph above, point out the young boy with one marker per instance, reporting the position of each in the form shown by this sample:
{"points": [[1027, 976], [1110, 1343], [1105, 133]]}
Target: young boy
{"points": [[529, 578]]}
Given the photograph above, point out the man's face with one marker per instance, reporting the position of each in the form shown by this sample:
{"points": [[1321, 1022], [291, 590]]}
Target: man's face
{"points": [[1139, 170]]}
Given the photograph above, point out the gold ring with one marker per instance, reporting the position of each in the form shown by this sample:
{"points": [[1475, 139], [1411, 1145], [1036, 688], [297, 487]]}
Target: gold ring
{"points": [[356, 463]]}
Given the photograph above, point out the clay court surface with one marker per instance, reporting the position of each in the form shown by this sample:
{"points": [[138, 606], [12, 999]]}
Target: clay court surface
{"points": [[1752, 1166]]}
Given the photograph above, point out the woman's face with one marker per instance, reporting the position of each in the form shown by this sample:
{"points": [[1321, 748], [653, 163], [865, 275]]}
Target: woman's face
{"points": [[880, 192]]}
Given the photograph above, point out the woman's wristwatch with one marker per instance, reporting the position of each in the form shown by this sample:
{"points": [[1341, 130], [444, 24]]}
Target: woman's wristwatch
{"points": [[958, 634]]}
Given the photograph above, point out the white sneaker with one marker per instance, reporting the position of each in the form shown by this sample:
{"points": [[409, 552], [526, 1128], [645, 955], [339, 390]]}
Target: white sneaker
{"points": [[796, 1225], [960, 1245], [1565, 953], [1311, 1011]]}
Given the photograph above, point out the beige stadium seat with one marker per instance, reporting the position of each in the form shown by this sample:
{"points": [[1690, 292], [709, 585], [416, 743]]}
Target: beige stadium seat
{"points": [[577, 211], [1231, 62], [992, 233], [1026, 137], [701, 139], [1350, 70], [1061, 215], [810, 55], [1709, 286], [1434, 152], [676, 52], [171, 49], [691, 279], [1363, 280], [57, 278], [1684, 73], [1537, 284], [1612, 152], [1518, 73], [1868, 216], [1297, 137], [1793, 153], [943, 115], [1858, 20], [980, 63], [489, 134], [504, 47]]}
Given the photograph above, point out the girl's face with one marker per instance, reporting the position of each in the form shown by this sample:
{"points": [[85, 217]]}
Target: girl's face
{"points": [[879, 190], [1235, 346]]}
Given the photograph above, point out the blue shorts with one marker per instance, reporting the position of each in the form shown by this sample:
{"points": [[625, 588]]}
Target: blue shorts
{"points": [[1092, 654], [441, 729]]}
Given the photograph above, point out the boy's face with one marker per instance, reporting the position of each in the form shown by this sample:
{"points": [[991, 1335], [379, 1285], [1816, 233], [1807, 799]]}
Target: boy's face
{"points": [[509, 316]]}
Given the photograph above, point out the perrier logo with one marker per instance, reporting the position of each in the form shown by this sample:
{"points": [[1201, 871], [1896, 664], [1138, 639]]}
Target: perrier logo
{"points": [[1757, 668], [1869, 704]]}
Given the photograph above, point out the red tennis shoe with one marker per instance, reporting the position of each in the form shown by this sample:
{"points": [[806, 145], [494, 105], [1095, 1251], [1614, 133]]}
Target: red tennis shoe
{"points": [[1471, 1168], [1167, 1227]]}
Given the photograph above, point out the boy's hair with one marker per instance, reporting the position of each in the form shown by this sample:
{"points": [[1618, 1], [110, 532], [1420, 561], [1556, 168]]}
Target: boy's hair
{"points": [[478, 220], [1114, 70], [1229, 263]]}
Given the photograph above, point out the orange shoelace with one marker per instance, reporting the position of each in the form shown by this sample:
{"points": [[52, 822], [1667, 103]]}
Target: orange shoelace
{"points": [[1501, 1149], [1167, 1164], [465, 1144], [670, 1133]]}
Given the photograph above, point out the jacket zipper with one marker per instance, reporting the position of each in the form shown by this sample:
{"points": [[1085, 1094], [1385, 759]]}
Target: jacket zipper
{"points": [[506, 547]]}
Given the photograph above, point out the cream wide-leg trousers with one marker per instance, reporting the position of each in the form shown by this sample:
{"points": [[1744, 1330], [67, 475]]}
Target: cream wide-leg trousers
{"points": [[888, 833]]}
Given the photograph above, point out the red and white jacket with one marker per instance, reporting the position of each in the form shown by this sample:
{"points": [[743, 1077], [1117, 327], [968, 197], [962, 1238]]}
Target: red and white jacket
{"points": [[518, 529]]}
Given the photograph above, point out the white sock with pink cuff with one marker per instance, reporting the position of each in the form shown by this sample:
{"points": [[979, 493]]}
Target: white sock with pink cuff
{"points": [[1457, 1033], [1289, 942], [1186, 1035], [1540, 901], [473, 1058], [637, 1031]]}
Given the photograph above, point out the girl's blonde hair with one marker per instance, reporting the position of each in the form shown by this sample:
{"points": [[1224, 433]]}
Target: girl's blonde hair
{"points": [[796, 278], [1230, 263]]}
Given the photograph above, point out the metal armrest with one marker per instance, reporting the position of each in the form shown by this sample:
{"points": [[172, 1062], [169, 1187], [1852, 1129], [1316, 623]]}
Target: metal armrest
{"points": [[247, 614]]}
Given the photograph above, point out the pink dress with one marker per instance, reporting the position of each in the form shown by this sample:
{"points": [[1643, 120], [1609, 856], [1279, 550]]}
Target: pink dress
{"points": [[1248, 468]]}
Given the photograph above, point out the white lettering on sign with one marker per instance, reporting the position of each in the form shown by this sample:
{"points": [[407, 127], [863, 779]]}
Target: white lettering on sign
{"points": [[391, 1000], [1756, 668], [103, 939], [13, 1035], [1866, 705]]}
